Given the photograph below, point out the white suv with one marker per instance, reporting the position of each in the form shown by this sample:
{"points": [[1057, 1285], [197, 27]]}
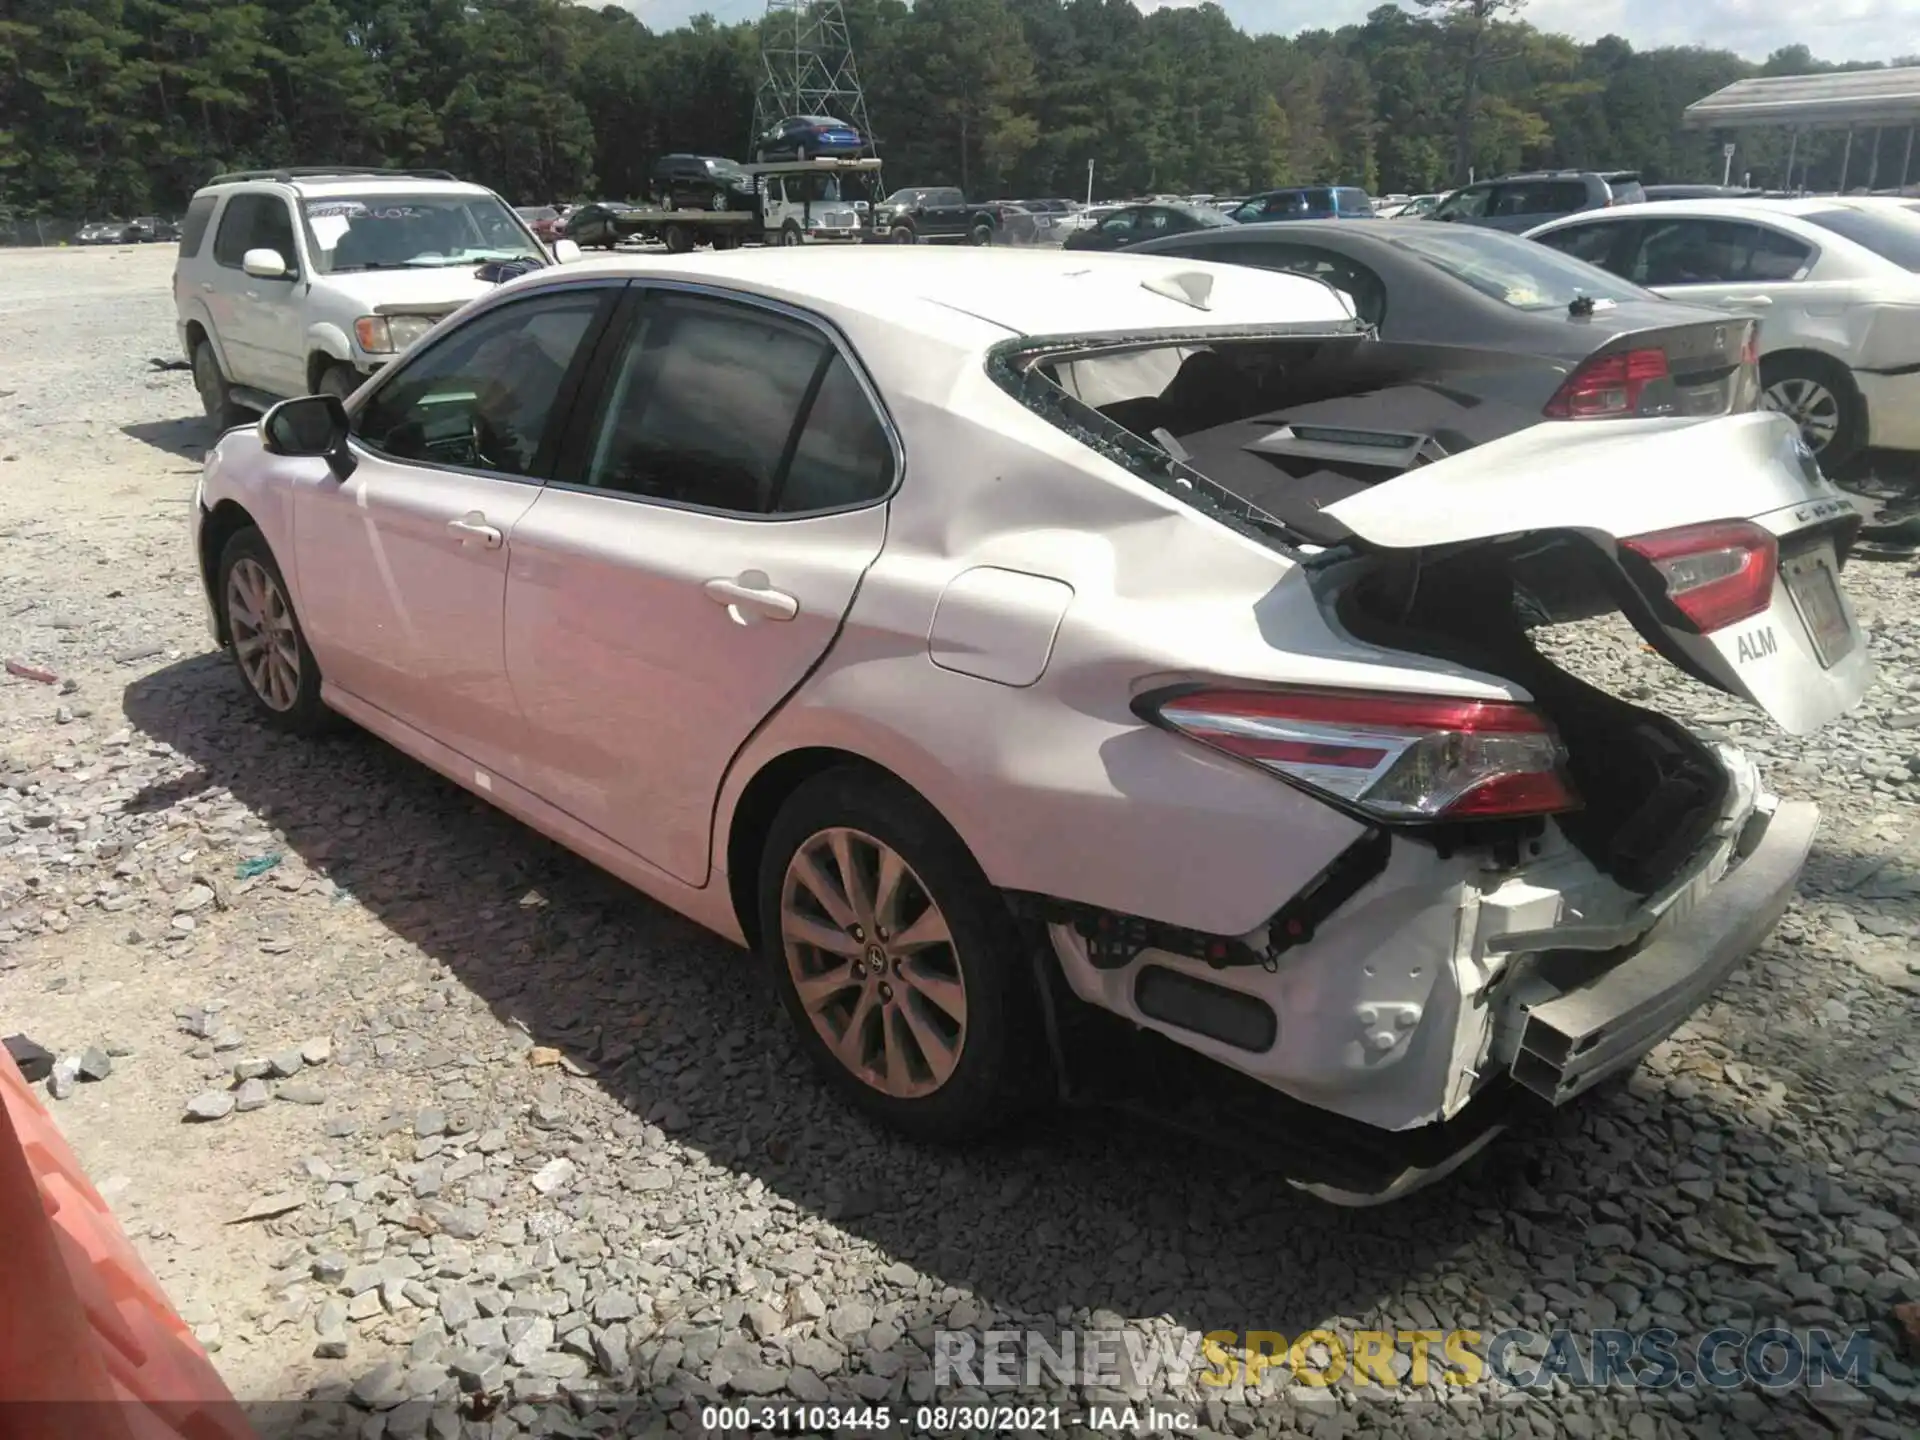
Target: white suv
{"points": [[292, 282]]}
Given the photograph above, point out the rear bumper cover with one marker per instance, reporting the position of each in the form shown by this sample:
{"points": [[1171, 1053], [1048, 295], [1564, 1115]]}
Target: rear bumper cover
{"points": [[1571, 1043]]}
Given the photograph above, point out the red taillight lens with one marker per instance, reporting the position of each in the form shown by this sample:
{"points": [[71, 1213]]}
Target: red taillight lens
{"points": [[1608, 387], [1398, 757], [1718, 574]]}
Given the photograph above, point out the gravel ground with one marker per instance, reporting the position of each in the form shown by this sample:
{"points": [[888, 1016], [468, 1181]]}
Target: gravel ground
{"points": [[485, 1121]]}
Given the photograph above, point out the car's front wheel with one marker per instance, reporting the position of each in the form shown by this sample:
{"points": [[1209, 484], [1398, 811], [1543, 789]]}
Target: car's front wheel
{"points": [[896, 960], [981, 234], [269, 648]]}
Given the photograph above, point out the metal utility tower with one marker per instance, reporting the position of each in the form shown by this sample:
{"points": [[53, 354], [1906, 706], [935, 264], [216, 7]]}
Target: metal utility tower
{"points": [[808, 68]]}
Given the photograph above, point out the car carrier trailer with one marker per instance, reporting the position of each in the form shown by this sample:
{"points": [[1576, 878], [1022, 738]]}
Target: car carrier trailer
{"points": [[797, 202]]}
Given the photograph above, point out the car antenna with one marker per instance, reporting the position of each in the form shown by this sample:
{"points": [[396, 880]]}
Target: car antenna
{"points": [[1581, 306]]}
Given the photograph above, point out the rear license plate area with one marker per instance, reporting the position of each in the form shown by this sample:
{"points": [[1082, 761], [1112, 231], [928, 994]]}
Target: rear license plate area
{"points": [[1815, 591]]}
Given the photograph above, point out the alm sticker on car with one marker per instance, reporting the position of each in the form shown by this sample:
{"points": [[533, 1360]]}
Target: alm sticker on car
{"points": [[1757, 645]]}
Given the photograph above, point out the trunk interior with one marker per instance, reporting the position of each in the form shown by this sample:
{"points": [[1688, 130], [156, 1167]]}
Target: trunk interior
{"points": [[1651, 791]]}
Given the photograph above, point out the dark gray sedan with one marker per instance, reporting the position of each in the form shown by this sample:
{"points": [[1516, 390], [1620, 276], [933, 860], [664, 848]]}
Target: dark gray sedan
{"points": [[1490, 333]]}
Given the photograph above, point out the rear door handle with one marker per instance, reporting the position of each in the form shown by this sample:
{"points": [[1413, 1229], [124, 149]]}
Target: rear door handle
{"points": [[473, 526], [750, 596]]}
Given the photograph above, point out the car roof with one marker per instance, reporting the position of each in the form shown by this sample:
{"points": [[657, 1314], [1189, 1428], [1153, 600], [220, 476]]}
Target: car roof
{"points": [[1711, 208], [963, 296], [355, 185]]}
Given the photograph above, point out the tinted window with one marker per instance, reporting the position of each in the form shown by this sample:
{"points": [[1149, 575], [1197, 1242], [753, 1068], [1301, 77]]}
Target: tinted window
{"points": [[1354, 202], [1538, 197], [1892, 234], [1714, 252], [844, 456], [481, 398], [1591, 243], [1368, 292], [254, 222], [1119, 222], [1511, 270], [1468, 204], [704, 404], [193, 226], [1627, 190]]}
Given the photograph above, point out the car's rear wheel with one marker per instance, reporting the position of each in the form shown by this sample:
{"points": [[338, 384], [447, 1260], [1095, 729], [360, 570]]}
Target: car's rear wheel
{"points": [[269, 648], [896, 960], [216, 398], [1818, 395], [981, 234]]}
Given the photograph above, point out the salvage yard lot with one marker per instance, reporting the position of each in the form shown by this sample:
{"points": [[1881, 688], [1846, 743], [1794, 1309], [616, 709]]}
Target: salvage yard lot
{"points": [[559, 1139]]}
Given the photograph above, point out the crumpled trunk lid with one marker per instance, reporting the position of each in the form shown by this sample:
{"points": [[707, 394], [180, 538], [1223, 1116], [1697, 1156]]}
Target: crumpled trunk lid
{"points": [[1801, 658]]}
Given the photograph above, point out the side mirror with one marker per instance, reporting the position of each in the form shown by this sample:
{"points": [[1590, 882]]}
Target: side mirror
{"points": [[310, 426], [565, 252], [264, 265]]}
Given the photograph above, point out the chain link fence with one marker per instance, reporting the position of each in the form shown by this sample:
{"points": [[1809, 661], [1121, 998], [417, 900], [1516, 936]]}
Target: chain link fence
{"points": [[17, 230]]}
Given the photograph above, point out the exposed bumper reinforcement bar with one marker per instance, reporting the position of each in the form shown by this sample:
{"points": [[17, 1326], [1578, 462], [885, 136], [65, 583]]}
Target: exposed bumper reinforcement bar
{"points": [[1574, 1042]]}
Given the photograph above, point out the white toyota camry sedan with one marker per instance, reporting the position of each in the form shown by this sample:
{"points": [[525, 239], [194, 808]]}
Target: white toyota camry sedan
{"points": [[971, 634]]}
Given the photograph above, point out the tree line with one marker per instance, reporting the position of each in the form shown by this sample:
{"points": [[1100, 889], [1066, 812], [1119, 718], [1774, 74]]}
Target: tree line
{"points": [[126, 106]]}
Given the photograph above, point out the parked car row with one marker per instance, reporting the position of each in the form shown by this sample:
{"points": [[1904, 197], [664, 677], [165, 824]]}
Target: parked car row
{"points": [[141, 230]]}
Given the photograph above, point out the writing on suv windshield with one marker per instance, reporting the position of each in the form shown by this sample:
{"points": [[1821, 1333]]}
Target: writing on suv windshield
{"points": [[396, 232]]}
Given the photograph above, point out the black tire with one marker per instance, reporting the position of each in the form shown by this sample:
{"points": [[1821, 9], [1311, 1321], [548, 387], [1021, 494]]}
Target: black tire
{"points": [[679, 239], [980, 234], [303, 713], [904, 235], [1820, 396], [1002, 1054], [338, 380], [216, 396], [717, 202], [790, 234]]}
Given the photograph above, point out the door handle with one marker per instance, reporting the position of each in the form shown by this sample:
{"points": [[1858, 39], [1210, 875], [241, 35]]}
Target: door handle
{"points": [[473, 526], [1753, 302], [750, 596], [207, 285]]}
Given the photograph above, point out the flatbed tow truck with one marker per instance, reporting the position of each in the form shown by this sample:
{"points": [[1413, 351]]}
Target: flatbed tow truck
{"points": [[798, 202]]}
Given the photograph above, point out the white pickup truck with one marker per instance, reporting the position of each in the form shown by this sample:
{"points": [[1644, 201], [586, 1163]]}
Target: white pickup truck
{"points": [[291, 282]]}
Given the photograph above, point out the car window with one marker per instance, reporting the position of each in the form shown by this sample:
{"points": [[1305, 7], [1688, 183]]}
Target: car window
{"points": [[482, 397], [1468, 204], [1119, 222], [704, 403], [1892, 234], [193, 226], [1627, 190], [1591, 243], [1512, 270], [1366, 289], [1353, 201], [388, 232], [1692, 251], [1155, 222], [254, 222], [844, 456]]}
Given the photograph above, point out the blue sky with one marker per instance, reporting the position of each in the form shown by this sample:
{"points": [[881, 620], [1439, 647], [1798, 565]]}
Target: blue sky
{"points": [[1843, 30]]}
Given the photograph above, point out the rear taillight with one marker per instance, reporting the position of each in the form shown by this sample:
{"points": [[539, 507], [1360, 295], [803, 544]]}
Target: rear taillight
{"points": [[1717, 574], [1609, 387], [1396, 757]]}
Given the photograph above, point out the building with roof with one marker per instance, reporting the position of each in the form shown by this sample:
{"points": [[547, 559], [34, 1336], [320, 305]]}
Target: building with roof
{"points": [[1845, 100]]}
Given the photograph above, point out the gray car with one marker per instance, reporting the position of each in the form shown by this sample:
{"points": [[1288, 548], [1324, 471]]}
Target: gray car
{"points": [[1520, 202]]}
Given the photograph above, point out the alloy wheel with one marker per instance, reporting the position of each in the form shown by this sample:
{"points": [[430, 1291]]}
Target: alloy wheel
{"points": [[1810, 405], [264, 640], [872, 960]]}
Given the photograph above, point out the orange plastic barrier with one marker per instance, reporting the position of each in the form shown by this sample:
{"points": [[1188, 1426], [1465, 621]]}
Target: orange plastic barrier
{"points": [[89, 1346]]}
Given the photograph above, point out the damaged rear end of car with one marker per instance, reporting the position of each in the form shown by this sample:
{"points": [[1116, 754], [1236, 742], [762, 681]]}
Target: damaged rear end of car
{"points": [[1547, 878]]}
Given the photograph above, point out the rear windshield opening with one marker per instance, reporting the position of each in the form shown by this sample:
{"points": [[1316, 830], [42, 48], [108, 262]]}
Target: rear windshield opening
{"points": [[1263, 431]]}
